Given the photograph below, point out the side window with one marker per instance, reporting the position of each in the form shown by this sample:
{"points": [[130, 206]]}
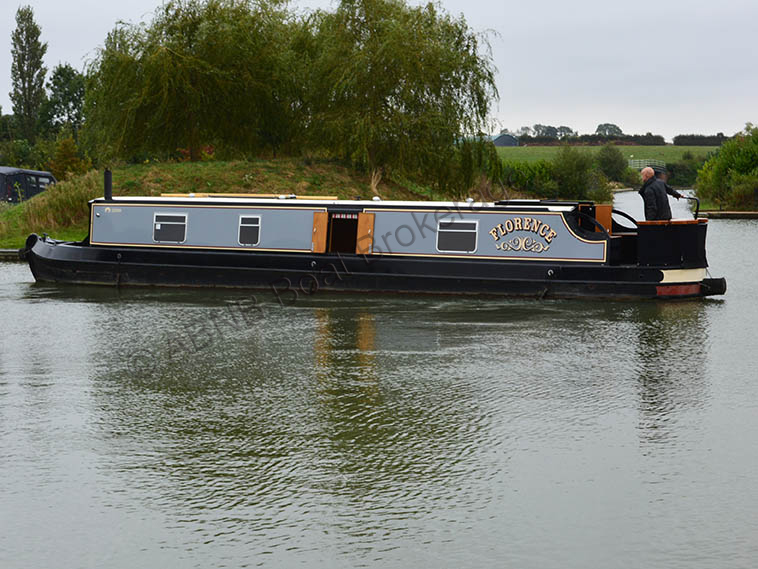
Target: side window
{"points": [[169, 228], [457, 236], [31, 185], [249, 230], [44, 182]]}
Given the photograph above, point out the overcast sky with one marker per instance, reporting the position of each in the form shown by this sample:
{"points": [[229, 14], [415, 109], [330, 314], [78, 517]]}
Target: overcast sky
{"points": [[663, 66]]}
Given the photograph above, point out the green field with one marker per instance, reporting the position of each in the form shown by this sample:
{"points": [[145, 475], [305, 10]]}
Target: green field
{"points": [[668, 153]]}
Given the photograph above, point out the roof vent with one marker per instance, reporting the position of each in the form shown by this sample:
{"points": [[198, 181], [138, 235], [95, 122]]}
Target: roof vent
{"points": [[376, 199]]}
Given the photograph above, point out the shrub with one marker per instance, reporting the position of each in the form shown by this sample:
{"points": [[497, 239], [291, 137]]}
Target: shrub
{"points": [[66, 161], [572, 172], [611, 162], [599, 189], [631, 178], [535, 178], [728, 177], [744, 190], [684, 172]]}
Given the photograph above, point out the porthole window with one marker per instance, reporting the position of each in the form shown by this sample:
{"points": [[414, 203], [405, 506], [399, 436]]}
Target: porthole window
{"points": [[169, 228], [457, 236], [249, 231]]}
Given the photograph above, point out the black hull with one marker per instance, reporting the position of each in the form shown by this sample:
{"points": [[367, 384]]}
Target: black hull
{"points": [[288, 275]]}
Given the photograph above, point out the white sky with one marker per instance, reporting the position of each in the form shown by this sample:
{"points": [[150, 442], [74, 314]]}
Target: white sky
{"points": [[665, 66]]}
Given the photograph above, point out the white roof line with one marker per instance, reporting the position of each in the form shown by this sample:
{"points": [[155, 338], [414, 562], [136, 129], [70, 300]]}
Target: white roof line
{"points": [[369, 204]]}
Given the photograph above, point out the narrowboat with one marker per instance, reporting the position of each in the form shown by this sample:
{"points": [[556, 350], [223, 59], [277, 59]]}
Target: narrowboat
{"points": [[292, 246]]}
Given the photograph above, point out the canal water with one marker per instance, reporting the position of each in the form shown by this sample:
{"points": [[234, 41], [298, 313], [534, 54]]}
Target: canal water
{"points": [[143, 428]]}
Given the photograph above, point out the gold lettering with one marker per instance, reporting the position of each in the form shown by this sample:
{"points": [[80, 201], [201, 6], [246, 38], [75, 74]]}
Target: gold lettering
{"points": [[543, 229], [527, 221], [508, 225], [517, 224], [493, 232], [500, 227], [536, 225], [549, 237]]}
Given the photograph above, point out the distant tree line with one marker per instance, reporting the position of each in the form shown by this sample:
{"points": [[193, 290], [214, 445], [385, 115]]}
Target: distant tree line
{"points": [[648, 139], [605, 133], [700, 139]]}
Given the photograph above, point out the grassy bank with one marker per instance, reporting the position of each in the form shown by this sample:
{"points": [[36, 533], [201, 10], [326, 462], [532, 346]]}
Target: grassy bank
{"points": [[62, 210], [668, 153]]}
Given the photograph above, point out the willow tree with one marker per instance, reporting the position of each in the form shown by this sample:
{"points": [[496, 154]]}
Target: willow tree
{"points": [[394, 87], [201, 72]]}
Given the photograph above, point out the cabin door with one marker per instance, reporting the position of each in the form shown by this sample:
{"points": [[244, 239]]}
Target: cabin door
{"points": [[320, 230], [343, 229], [364, 244]]}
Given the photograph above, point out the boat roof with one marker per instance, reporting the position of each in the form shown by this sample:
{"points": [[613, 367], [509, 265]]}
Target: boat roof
{"points": [[14, 170], [304, 201]]}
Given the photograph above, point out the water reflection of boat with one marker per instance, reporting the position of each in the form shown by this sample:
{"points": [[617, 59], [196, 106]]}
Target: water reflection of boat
{"points": [[298, 246]]}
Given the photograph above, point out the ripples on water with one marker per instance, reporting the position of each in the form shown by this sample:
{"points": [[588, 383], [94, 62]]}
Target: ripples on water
{"points": [[187, 428]]}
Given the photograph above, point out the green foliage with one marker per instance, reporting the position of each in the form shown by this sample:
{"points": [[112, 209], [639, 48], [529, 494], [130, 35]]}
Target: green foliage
{"points": [[608, 129], [27, 72], [545, 131], [200, 72], [21, 154], [63, 107], [631, 178], [744, 191], [599, 189], [533, 178], [572, 172], [7, 127], [684, 171], [393, 87], [66, 161], [699, 139], [611, 162], [730, 178]]}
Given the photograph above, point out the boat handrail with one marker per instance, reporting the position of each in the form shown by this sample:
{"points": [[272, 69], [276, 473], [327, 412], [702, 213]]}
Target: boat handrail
{"points": [[697, 206], [594, 222], [625, 215]]}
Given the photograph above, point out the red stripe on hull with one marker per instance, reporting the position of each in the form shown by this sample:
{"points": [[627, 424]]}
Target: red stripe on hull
{"points": [[678, 290]]}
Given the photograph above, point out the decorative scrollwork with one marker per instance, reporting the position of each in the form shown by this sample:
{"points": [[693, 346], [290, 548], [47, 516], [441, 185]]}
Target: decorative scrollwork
{"points": [[523, 244]]}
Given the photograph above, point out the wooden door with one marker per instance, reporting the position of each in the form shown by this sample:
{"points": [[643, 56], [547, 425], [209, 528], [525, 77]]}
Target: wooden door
{"points": [[320, 226], [364, 243], [604, 216]]}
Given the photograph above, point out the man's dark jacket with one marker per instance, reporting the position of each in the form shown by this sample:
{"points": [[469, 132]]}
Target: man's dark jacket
{"points": [[656, 200]]}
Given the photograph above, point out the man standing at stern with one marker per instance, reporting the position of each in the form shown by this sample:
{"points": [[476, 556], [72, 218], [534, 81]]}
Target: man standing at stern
{"points": [[653, 192]]}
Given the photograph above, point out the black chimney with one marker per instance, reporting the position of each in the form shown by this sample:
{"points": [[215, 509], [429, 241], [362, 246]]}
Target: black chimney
{"points": [[108, 185]]}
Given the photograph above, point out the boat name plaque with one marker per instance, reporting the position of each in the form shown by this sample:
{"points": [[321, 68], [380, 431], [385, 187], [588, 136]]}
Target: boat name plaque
{"points": [[502, 233]]}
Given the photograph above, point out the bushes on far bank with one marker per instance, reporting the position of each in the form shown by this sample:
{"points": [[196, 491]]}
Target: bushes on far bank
{"points": [[573, 174], [684, 172], [730, 178]]}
